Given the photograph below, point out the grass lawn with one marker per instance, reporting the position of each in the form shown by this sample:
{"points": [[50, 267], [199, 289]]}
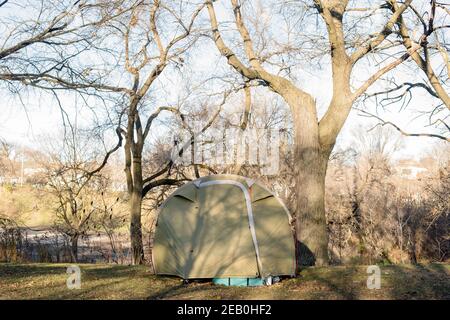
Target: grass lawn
{"points": [[100, 281]]}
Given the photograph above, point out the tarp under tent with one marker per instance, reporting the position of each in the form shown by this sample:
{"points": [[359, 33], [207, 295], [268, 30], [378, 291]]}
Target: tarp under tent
{"points": [[224, 227]]}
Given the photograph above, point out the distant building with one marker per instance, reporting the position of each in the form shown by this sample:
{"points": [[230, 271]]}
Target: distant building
{"points": [[411, 169], [27, 172]]}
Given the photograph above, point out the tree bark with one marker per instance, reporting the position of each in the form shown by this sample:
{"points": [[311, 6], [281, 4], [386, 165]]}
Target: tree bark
{"points": [[74, 248], [137, 248], [311, 165], [311, 226]]}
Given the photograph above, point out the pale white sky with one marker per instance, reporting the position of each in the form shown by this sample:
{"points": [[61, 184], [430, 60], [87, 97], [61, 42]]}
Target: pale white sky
{"points": [[43, 117]]}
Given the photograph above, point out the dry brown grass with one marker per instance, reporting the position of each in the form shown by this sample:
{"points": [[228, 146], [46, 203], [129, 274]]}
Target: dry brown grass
{"points": [[48, 281]]}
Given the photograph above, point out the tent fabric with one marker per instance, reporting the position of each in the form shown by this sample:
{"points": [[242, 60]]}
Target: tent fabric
{"points": [[223, 226]]}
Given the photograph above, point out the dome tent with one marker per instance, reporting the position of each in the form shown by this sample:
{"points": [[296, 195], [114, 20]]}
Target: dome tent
{"points": [[223, 226]]}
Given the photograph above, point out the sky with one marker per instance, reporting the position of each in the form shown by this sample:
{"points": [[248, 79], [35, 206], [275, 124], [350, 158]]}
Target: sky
{"points": [[41, 116]]}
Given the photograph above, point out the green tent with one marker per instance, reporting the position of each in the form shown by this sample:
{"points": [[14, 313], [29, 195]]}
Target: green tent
{"points": [[223, 226]]}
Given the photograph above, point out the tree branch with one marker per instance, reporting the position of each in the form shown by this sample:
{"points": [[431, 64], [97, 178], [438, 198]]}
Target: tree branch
{"points": [[248, 44], [383, 123], [231, 57], [161, 182], [424, 63], [387, 30], [154, 115], [384, 70], [109, 153]]}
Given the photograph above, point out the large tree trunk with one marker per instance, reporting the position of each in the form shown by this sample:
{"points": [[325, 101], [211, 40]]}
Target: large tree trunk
{"points": [[311, 166], [137, 248], [312, 234]]}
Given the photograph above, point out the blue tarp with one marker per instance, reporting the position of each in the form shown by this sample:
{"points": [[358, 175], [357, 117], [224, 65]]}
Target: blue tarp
{"points": [[240, 282]]}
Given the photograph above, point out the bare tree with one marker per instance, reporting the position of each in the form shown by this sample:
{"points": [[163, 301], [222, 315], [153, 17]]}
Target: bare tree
{"points": [[314, 139], [42, 48], [131, 39], [150, 45], [72, 169]]}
